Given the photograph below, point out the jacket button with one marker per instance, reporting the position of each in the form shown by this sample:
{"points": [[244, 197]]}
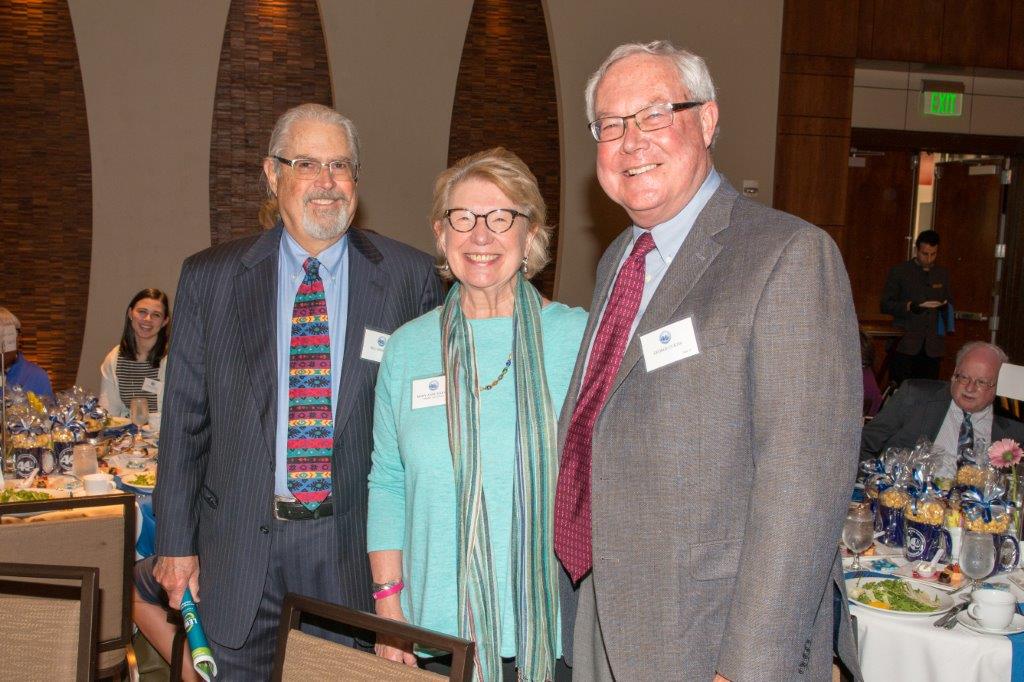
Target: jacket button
{"points": [[264, 530]]}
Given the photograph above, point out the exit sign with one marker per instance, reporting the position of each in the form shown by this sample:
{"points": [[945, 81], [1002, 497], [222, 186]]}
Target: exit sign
{"points": [[942, 98], [943, 104]]}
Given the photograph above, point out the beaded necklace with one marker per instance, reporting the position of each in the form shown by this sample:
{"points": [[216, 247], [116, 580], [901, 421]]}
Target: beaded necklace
{"points": [[504, 371]]}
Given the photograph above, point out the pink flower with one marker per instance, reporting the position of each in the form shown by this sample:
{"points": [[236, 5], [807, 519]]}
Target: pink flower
{"points": [[1005, 453]]}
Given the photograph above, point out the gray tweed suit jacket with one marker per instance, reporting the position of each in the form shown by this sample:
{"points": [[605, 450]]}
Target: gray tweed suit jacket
{"points": [[216, 481], [720, 482]]}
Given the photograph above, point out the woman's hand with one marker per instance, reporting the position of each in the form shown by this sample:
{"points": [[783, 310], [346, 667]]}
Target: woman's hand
{"points": [[393, 648]]}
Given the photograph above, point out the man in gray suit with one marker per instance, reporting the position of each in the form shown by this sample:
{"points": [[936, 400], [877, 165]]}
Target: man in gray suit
{"points": [[706, 469], [266, 435], [952, 414]]}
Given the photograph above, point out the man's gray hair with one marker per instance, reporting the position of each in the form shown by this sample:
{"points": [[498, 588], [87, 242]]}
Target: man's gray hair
{"points": [[975, 345], [693, 72], [281, 135]]}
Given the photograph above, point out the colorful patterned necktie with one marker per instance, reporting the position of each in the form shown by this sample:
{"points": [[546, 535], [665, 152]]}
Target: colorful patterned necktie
{"points": [[310, 422], [572, 499], [966, 439]]}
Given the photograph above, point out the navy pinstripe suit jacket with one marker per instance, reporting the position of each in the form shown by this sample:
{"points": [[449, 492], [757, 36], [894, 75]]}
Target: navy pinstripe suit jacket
{"points": [[216, 482]]}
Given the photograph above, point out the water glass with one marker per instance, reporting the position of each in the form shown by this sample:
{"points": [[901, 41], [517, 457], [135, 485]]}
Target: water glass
{"points": [[977, 556], [858, 530], [83, 460], [139, 410]]}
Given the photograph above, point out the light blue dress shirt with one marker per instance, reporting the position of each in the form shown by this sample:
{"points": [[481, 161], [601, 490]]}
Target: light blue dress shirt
{"points": [[668, 238], [334, 274]]}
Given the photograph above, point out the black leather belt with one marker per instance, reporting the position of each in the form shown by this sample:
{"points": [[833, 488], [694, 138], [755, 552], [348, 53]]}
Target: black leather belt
{"points": [[290, 510]]}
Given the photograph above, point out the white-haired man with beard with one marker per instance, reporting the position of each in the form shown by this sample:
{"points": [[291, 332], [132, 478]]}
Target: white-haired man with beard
{"points": [[266, 438]]}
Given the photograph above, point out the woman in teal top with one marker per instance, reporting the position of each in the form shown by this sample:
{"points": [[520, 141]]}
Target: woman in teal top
{"points": [[465, 462]]}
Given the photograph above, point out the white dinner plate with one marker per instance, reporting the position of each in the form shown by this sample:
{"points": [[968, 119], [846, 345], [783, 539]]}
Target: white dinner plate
{"points": [[127, 481], [943, 601], [968, 621]]}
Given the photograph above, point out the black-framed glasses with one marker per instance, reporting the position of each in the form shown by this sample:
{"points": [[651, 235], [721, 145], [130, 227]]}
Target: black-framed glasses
{"points": [[648, 119], [309, 169], [499, 220], [964, 380]]}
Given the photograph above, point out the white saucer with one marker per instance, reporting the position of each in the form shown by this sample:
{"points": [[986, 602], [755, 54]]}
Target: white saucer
{"points": [[1016, 625]]}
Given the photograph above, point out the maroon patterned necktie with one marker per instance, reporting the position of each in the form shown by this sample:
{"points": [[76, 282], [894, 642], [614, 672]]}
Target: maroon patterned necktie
{"points": [[572, 499]]}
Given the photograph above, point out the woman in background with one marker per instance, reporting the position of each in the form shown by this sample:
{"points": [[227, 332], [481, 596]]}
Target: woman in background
{"points": [[465, 462], [135, 367]]}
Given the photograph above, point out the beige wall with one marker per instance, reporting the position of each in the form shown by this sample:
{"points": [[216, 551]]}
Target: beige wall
{"points": [[394, 64], [149, 71]]}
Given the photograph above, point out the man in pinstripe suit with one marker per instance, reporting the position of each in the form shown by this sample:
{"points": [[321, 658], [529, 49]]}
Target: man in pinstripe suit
{"points": [[228, 526]]}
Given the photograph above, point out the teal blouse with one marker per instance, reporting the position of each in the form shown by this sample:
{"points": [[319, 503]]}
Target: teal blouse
{"points": [[412, 489]]}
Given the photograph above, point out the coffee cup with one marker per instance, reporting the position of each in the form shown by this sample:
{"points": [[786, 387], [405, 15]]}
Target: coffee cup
{"points": [[98, 484], [993, 609]]}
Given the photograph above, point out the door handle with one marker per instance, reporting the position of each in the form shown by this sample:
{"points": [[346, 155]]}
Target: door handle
{"points": [[966, 315]]}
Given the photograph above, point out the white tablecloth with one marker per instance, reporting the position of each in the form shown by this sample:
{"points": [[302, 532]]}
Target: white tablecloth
{"points": [[895, 648]]}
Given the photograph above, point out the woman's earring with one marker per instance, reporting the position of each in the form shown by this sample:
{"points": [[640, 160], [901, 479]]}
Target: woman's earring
{"points": [[523, 266], [444, 266]]}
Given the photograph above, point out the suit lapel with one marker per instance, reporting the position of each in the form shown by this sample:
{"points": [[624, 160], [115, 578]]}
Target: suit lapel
{"points": [[256, 303], [367, 294], [697, 252], [936, 410]]}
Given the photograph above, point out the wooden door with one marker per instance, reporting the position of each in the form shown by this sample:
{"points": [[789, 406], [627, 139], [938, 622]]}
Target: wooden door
{"points": [[967, 203], [879, 216]]}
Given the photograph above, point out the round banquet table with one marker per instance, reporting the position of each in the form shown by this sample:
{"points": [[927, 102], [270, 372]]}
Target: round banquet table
{"points": [[893, 647]]}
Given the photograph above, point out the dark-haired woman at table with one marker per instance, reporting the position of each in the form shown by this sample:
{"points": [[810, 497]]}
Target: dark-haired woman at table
{"points": [[135, 367]]}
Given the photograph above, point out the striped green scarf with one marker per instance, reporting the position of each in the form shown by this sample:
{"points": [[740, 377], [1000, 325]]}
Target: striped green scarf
{"points": [[534, 567]]}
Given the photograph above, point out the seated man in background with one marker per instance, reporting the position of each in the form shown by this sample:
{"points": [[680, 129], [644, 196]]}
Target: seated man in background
{"points": [[18, 371], [953, 414]]}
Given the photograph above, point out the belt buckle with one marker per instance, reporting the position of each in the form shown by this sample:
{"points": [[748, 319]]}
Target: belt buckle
{"points": [[277, 500]]}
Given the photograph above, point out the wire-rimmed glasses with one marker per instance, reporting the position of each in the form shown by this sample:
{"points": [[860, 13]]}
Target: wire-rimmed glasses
{"points": [[648, 119], [309, 169]]}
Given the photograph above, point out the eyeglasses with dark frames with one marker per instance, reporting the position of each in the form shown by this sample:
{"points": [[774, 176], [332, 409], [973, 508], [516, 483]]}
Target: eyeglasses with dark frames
{"points": [[498, 220], [648, 119], [309, 169]]}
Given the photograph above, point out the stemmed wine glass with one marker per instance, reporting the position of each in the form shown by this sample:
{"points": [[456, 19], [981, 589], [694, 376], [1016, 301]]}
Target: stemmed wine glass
{"points": [[139, 410], [858, 530], [977, 556]]}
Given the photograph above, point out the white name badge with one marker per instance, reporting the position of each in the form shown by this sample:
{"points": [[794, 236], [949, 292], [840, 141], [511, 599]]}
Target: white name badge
{"points": [[671, 343], [429, 392], [152, 385], [373, 345]]}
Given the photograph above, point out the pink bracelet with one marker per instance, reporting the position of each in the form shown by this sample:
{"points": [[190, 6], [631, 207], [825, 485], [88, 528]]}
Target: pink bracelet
{"points": [[392, 588]]}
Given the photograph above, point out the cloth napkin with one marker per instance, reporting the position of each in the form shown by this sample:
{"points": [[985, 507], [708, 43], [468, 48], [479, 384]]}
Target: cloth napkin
{"points": [[1017, 659]]}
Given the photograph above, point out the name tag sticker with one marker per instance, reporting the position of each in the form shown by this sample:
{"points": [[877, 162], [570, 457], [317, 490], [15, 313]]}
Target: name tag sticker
{"points": [[429, 392], [671, 343], [152, 385], [373, 345]]}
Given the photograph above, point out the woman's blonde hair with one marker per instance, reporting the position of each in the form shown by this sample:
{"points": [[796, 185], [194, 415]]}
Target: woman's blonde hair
{"points": [[507, 172]]}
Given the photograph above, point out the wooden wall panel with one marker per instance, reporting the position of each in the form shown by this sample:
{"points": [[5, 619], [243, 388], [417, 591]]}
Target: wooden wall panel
{"points": [[273, 58], [1011, 304], [506, 67], [1015, 59], [803, 94], [976, 33], [820, 27], [811, 178], [45, 184], [907, 30]]}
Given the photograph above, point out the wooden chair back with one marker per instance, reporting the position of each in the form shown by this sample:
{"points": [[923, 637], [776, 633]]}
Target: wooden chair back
{"points": [[94, 531], [301, 656], [48, 622]]}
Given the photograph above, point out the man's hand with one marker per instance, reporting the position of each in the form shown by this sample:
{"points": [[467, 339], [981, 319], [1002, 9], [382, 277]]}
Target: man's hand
{"points": [[719, 678], [175, 573]]}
